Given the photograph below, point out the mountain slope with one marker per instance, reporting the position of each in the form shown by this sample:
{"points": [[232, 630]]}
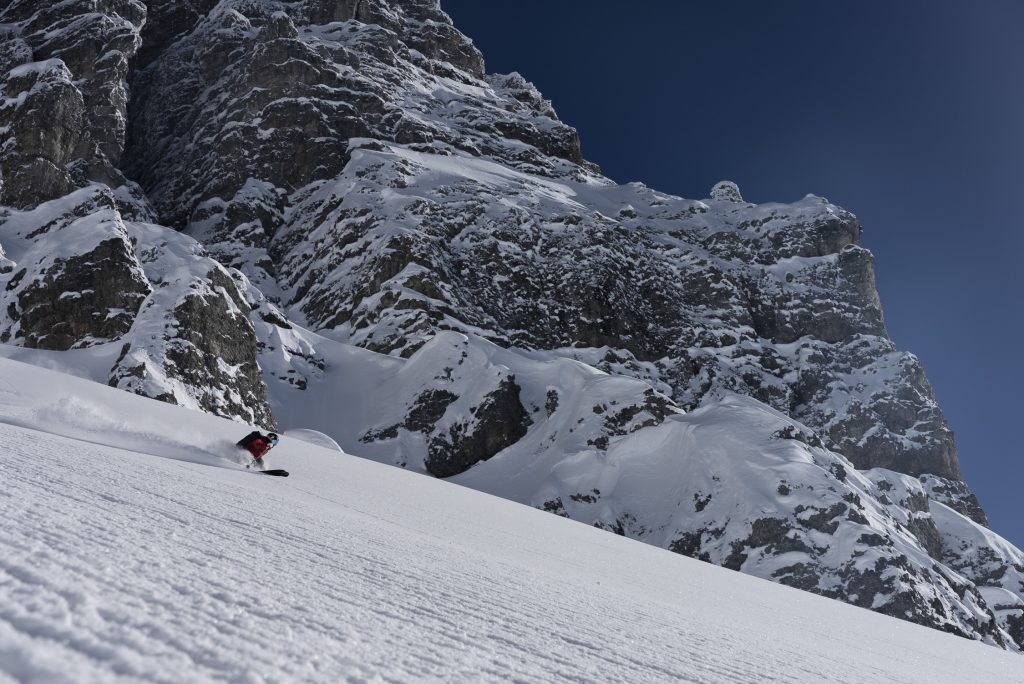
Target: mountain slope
{"points": [[734, 482], [326, 214], [135, 549]]}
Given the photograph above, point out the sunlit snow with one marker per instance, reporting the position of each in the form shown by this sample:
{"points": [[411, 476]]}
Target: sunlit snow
{"points": [[135, 548]]}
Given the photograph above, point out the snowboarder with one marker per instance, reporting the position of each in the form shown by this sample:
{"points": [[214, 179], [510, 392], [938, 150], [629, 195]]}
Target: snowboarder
{"points": [[258, 445]]}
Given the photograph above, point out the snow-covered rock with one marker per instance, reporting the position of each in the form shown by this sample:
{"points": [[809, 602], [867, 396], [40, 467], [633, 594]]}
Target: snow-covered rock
{"points": [[774, 301], [726, 191], [193, 342], [80, 275], [66, 66], [73, 279]]}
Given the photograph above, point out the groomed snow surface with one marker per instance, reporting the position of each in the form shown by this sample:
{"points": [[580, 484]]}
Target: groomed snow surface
{"points": [[134, 548]]}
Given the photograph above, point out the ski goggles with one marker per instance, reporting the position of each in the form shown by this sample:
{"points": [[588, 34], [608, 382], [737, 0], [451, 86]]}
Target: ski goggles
{"points": [[273, 441]]}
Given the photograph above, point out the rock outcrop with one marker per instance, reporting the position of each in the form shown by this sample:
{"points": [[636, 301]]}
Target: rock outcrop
{"points": [[79, 267], [463, 407], [66, 67], [80, 284]]}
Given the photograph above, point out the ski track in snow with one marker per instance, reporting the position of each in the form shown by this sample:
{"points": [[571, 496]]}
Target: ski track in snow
{"points": [[121, 566]]}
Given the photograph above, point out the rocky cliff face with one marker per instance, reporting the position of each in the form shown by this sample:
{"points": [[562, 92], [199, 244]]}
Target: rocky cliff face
{"points": [[85, 270], [218, 196]]}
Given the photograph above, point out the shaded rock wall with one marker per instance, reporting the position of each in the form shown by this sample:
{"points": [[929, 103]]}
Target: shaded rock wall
{"points": [[74, 273], [66, 68], [77, 282]]}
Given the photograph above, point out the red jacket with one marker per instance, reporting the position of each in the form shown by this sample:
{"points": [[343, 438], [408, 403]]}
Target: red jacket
{"points": [[258, 447]]}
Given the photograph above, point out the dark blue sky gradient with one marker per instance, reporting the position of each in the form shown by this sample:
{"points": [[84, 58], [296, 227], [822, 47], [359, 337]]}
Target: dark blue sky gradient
{"points": [[910, 114]]}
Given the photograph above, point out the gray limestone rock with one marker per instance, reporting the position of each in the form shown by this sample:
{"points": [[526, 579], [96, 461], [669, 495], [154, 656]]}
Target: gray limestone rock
{"points": [[955, 494], [216, 347], [80, 283], [468, 412], [193, 342], [498, 421], [85, 299], [74, 60], [34, 167]]}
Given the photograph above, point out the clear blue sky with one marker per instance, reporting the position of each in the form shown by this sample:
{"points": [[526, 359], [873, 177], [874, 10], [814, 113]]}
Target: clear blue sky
{"points": [[910, 114]]}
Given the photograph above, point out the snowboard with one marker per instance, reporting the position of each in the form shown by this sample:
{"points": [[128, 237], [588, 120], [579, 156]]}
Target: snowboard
{"points": [[276, 473]]}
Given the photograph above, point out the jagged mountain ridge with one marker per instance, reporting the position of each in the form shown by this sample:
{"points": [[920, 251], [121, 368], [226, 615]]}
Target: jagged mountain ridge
{"points": [[355, 172], [236, 209]]}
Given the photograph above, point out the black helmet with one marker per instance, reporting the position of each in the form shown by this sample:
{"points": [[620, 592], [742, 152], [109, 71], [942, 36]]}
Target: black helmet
{"points": [[272, 436]]}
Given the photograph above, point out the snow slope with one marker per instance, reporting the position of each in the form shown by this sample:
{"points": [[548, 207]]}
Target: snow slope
{"points": [[135, 549], [734, 483]]}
